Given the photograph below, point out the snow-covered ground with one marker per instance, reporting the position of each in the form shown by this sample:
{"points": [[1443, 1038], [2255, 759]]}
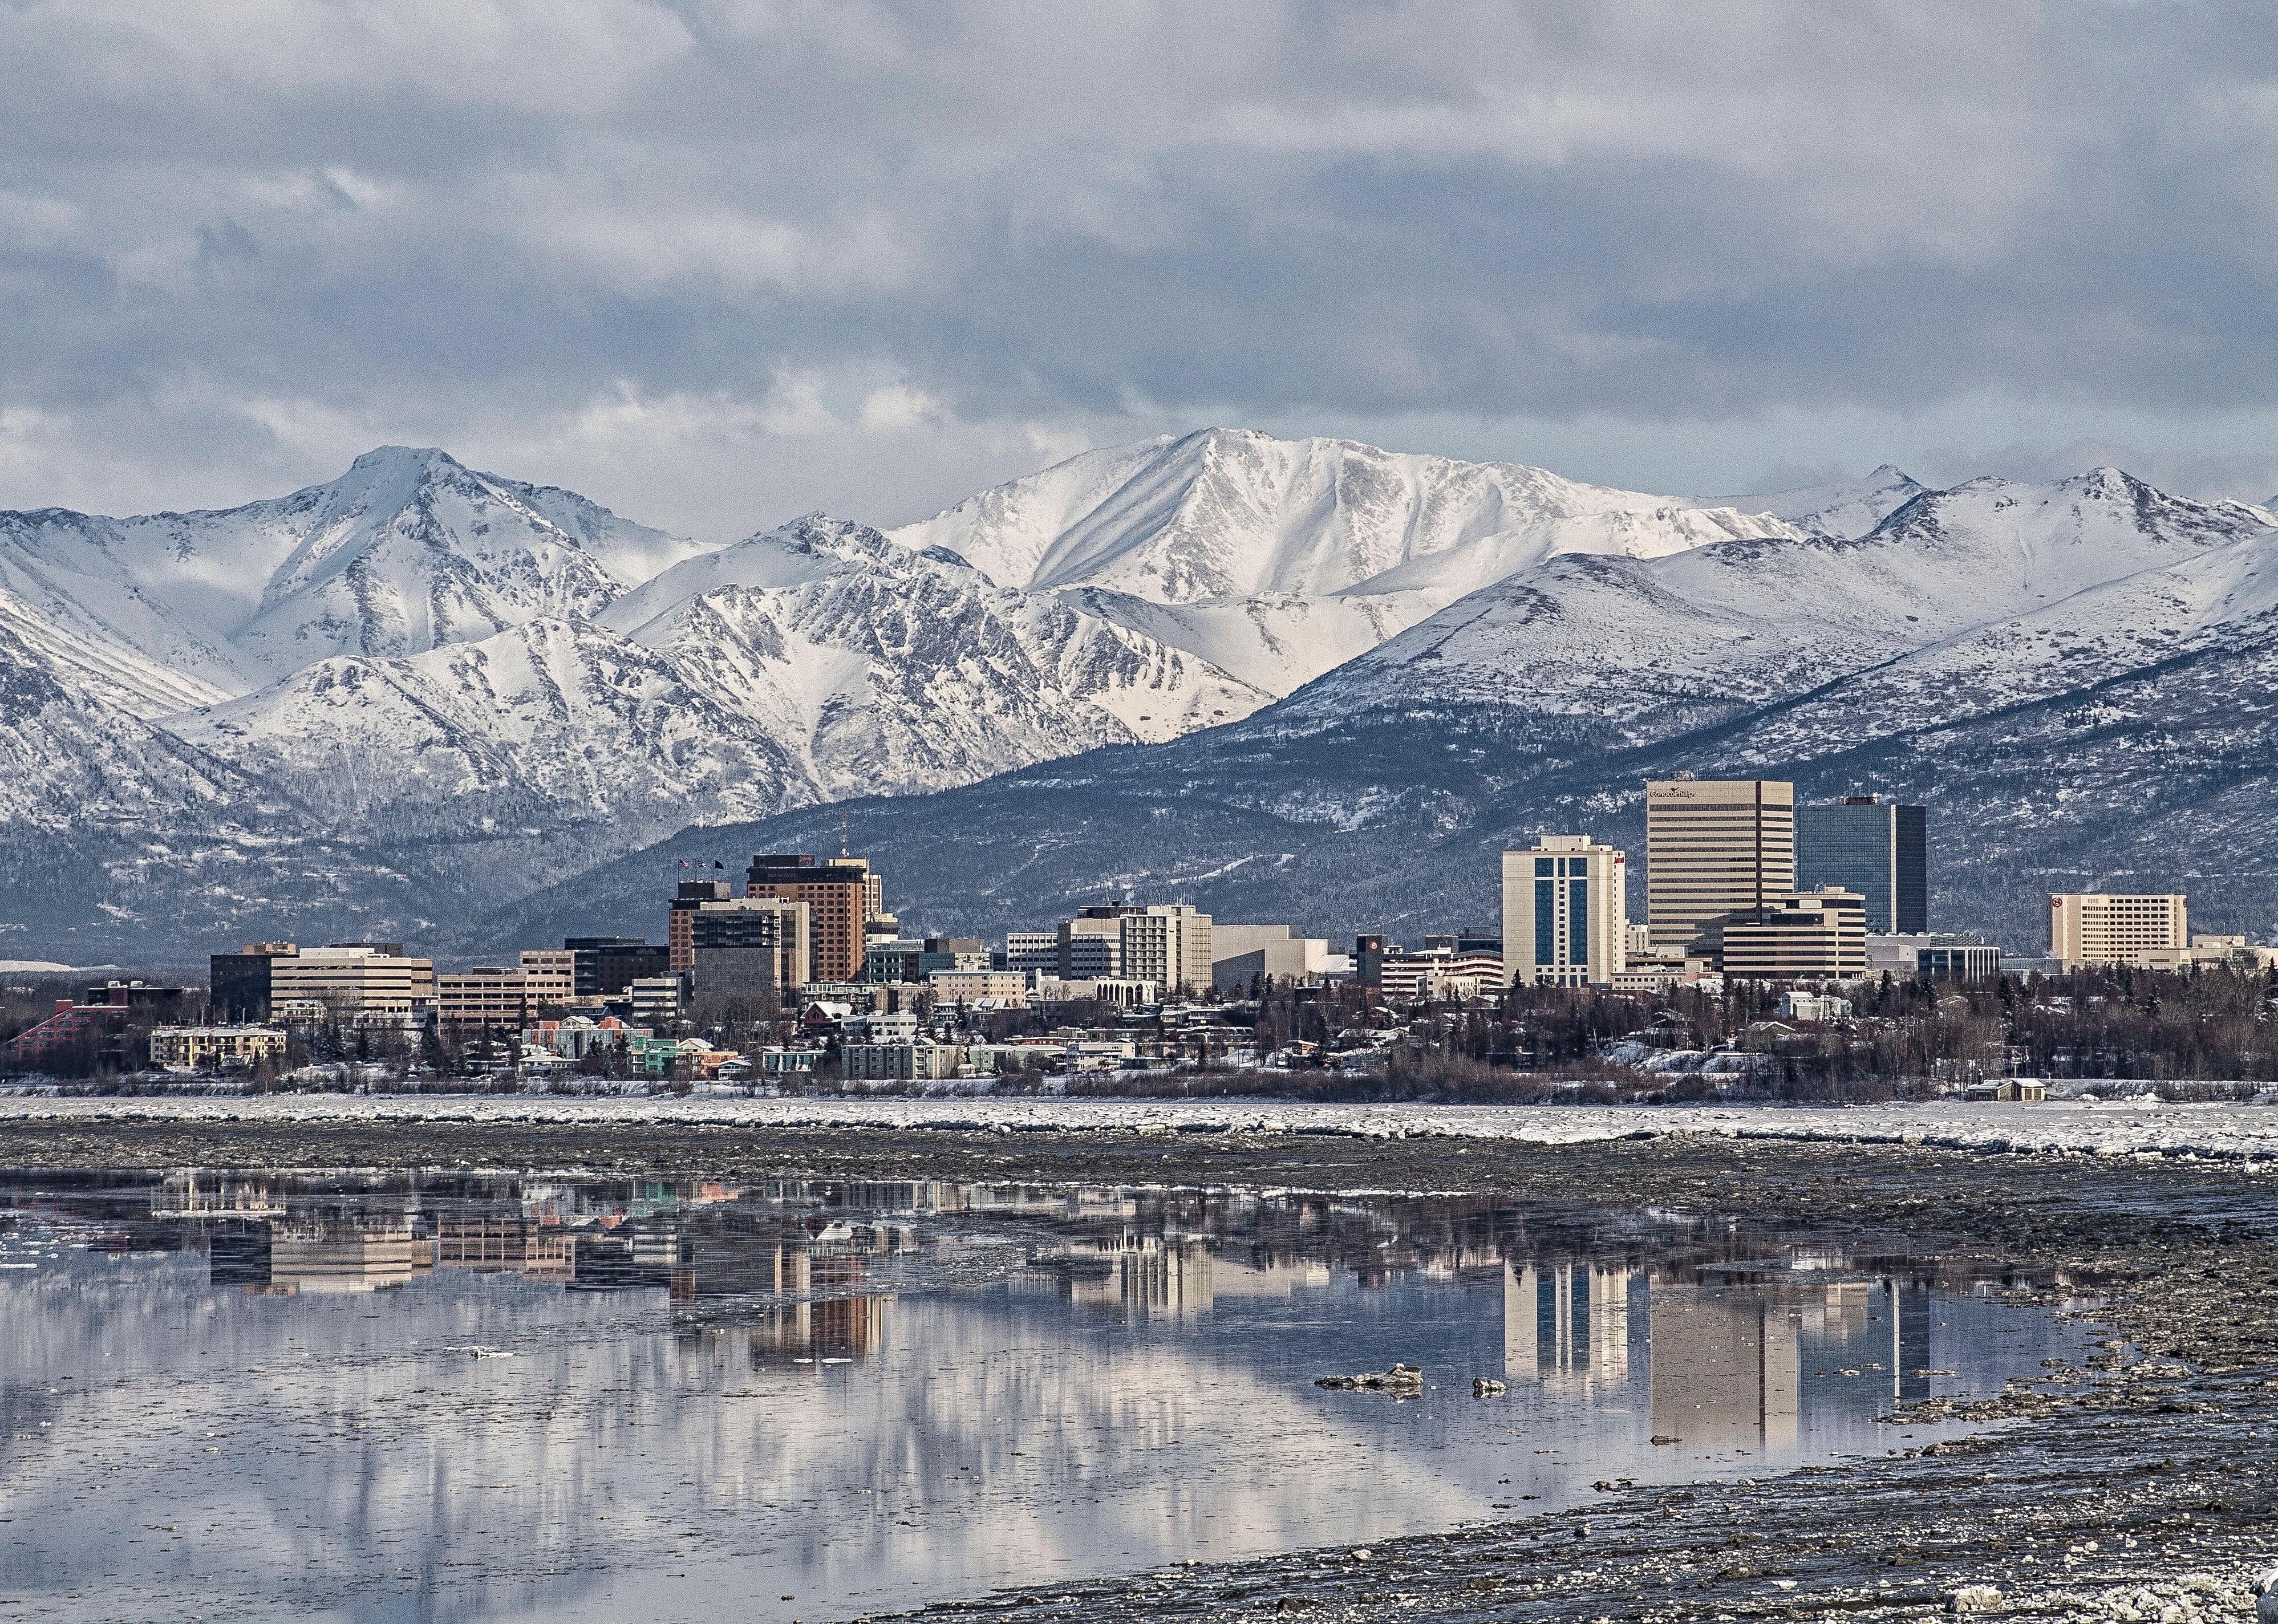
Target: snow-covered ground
{"points": [[2230, 1133]]}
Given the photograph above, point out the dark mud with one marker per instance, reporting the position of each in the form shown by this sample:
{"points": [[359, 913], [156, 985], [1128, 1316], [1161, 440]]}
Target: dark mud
{"points": [[2143, 1487]]}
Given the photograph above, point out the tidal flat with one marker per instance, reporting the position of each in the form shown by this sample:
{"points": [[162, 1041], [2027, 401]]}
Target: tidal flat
{"points": [[2088, 1429]]}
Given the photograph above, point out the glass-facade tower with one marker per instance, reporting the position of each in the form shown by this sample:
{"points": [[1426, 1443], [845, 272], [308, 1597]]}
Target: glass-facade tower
{"points": [[1878, 848]]}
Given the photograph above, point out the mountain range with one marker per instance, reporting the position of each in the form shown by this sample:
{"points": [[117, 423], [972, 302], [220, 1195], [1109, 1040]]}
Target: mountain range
{"points": [[1306, 680]]}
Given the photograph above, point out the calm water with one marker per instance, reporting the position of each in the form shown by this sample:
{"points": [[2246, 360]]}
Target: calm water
{"points": [[481, 1399]]}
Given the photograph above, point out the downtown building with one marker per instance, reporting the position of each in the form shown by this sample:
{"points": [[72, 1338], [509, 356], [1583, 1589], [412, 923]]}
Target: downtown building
{"points": [[1168, 944], [2089, 927], [749, 947], [1820, 933], [843, 898], [1878, 848], [1714, 849], [1565, 914]]}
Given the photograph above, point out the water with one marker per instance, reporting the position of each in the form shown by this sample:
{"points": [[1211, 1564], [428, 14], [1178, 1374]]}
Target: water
{"points": [[474, 1399]]}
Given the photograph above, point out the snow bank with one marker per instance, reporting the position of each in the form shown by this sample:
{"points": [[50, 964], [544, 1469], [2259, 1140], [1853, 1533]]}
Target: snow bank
{"points": [[2237, 1133]]}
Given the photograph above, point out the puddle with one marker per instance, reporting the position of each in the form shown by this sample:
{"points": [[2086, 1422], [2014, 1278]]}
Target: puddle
{"points": [[370, 1398]]}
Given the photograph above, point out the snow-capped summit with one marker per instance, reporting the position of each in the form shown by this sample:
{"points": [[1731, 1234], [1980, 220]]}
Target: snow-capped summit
{"points": [[408, 550], [1278, 559], [1846, 507]]}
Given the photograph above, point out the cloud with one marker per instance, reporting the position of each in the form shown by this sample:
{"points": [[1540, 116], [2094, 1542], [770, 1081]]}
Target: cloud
{"points": [[715, 261]]}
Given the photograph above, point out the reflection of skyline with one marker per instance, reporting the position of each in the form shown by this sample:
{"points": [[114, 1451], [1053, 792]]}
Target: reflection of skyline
{"points": [[851, 1401]]}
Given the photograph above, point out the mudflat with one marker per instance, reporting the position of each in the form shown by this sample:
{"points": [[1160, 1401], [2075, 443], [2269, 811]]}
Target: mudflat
{"points": [[2141, 1486]]}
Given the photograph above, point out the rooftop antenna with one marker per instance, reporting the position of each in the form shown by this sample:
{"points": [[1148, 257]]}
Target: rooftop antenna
{"points": [[842, 831]]}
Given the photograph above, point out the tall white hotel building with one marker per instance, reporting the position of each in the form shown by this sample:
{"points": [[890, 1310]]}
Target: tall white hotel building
{"points": [[1565, 920]]}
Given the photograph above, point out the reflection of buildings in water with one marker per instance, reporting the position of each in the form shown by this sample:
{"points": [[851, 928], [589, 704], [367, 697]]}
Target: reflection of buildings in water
{"points": [[851, 1327], [488, 1242], [326, 1258], [484, 1241], [725, 1264], [203, 1196], [1141, 1276], [1908, 1306], [238, 1254], [1564, 1324], [1725, 1368]]}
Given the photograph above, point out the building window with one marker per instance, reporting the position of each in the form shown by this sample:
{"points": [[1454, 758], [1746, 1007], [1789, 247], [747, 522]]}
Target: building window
{"points": [[1577, 920], [1545, 920]]}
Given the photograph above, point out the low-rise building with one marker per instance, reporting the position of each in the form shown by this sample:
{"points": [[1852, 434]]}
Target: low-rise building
{"points": [[1819, 1007], [486, 998], [208, 1049], [1275, 955], [1000, 989], [922, 1060], [1821, 932], [1122, 994]]}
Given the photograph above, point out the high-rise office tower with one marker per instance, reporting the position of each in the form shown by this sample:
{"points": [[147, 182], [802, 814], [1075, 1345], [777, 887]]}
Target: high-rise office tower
{"points": [[841, 895], [1565, 922], [1714, 848], [1878, 848], [679, 941], [750, 945]]}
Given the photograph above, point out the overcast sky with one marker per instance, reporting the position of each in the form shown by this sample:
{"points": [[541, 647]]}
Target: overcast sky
{"points": [[716, 264]]}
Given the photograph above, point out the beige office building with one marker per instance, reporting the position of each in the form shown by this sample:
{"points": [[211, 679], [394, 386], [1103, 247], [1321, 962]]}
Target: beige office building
{"points": [[1712, 848], [2086, 927], [1821, 932], [487, 997], [549, 977], [352, 980], [1169, 944], [1565, 919]]}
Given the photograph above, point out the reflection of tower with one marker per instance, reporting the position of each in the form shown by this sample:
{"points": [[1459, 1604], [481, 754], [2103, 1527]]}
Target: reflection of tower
{"points": [[1725, 1370], [1566, 1323], [1521, 1308], [1910, 1359], [1609, 1323]]}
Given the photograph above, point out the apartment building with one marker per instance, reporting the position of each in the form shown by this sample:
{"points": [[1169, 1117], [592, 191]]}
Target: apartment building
{"points": [[205, 1048], [2089, 927], [1821, 932], [1565, 914], [1715, 849]]}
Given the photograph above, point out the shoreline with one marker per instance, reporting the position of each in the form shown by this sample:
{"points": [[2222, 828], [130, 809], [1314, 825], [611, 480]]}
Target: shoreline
{"points": [[2154, 1483]]}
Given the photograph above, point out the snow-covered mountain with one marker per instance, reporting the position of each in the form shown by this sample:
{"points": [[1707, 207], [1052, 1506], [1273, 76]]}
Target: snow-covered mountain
{"points": [[2077, 679], [1847, 508], [804, 664], [407, 551], [1277, 560], [1333, 677]]}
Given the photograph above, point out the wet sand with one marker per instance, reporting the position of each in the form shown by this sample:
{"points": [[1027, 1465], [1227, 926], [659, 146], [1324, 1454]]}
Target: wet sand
{"points": [[2147, 1489]]}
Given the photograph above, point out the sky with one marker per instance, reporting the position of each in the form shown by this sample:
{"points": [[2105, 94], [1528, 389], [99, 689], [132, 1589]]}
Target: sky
{"points": [[718, 263]]}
